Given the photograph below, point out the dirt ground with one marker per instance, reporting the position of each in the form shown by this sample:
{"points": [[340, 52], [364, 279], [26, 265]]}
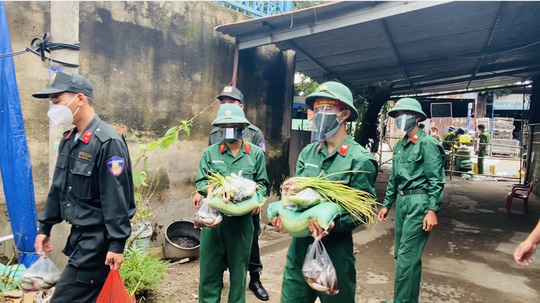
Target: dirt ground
{"points": [[468, 257]]}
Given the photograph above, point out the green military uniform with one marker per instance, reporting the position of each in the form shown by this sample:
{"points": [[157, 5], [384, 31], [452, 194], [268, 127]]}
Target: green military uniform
{"points": [[313, 160], [416, 186], [92, 189], [228, 244], [254, 135], [448, 140], [482, 150]]}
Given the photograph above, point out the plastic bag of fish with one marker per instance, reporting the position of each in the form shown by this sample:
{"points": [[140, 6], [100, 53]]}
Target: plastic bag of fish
{"points": [[319, 271], [207, 216], [41, 275]]}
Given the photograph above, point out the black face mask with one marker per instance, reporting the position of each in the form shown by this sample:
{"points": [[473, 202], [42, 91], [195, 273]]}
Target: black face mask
{"points": [[232, 134]]}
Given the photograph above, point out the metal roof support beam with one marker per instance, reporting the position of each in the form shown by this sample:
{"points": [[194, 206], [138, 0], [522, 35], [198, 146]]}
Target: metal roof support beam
{"points": [[468, 78], [457, 92], [396, 54], [488, 43], [310, 58], [363, 15]]}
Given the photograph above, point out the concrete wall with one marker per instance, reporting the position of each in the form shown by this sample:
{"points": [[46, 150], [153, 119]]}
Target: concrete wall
{"points": [[152, 65]]}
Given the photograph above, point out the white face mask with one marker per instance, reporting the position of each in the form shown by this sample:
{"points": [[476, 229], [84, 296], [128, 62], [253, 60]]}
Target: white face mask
{"points": [[61, 114]]}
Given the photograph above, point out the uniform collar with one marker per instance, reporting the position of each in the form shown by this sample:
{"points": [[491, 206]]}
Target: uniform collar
{"points": [[245, 148], [88, 131], [342, 149], [419, 135]]}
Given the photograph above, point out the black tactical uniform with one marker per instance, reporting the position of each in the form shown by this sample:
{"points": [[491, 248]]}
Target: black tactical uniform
{"points": [[92, 190]]}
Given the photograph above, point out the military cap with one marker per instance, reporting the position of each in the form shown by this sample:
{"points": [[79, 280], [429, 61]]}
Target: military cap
{"points": [[66, 82]]}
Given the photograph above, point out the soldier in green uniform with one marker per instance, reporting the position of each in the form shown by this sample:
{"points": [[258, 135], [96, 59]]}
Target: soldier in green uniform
{"points": [[333, 152], [228, 245], [451, 137], [92, 189], [482, 147], [416, 186], [252, 134]]}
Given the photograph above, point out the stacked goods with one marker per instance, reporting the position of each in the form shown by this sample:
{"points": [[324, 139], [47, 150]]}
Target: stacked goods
{"points": [[207, 216], [321, 200], [463, 159], [234, 195], [296, 223]]}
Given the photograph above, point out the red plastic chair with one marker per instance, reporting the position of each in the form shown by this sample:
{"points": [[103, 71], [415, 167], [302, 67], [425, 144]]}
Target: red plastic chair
{"points": [[525, 197]]}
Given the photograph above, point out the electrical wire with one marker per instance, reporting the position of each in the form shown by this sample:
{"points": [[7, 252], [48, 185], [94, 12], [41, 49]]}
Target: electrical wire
{"points": [[40, 46]]}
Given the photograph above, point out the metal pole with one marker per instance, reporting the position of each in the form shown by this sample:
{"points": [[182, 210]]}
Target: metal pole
{"points": [[235, 64]]}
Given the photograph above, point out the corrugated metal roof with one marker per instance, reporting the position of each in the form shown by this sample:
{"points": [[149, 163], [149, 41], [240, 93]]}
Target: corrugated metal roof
{"points": [[422, 46]]}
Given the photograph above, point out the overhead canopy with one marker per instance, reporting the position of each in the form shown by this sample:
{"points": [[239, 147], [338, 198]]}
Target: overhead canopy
{"points": [[421, 46]]}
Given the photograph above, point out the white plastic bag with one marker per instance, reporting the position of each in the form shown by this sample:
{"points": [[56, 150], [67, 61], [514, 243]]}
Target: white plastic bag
{"points": [[304, 199], [207, 216], [319, 271], [41, 275], [241, 188]]}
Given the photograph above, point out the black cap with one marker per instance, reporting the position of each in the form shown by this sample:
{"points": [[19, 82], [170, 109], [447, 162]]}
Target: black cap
{"points": [[66, 82], [232, 92]]}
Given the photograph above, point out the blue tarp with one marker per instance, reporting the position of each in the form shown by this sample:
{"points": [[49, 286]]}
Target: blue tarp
{"points": [[14, 157]]}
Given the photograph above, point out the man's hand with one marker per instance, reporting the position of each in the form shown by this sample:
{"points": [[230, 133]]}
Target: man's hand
{"points": [[524, 252], [317, 231], [196, 200], [114, 260], [276, 222], [383, 214], [430, 221], [256, 211], [42, 245]]}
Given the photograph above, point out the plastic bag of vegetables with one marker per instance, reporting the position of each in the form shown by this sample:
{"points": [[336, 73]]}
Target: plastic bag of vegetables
{"points": [[296, 223], [319, 271], [206, 216], [233, 188], [360, 204], [41, 275], [303, 199]]}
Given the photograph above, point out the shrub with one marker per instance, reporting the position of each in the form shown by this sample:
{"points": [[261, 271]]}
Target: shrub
{"points": [[141, 272]]}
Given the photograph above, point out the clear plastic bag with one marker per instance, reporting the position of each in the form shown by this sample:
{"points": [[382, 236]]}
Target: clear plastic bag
{"points": [[319, 271], [207, 216], [241, 188], [303, 199], [41, 275]]}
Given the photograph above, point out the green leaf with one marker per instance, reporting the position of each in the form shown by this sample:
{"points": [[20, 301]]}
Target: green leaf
{"points": [[138, 197], [153, 145], [165, 143], [174, 139]]}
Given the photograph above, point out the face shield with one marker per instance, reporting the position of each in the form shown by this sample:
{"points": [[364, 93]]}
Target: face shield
{"points": [[325, 122], [231, 134]]}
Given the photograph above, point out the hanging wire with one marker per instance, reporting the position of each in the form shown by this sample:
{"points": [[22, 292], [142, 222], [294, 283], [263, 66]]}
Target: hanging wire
{"points": [[41, 46]]}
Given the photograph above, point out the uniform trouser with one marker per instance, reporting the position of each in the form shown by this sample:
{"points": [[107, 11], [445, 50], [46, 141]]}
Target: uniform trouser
{"points": [[255, 264], [480, 164], [85, 274], [339, 246], [410, 240], [225, 246]]}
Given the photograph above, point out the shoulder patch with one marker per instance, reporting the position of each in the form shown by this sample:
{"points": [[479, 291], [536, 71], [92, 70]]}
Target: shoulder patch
{"points": [[116, 165]]}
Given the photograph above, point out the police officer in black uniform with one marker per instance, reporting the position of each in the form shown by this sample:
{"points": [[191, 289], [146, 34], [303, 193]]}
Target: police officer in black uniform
{"points": [[254, 135], [92, 190]]}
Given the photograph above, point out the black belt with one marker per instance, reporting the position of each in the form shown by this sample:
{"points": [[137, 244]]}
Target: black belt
{"points": [[407, 192]]}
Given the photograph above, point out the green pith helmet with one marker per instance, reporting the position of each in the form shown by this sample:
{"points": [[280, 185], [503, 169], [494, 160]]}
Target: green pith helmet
{"points": [[230, 114], [337, 91], [407, 104]]}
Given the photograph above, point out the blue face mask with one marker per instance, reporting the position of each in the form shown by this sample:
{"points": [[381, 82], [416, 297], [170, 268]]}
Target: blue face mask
{"points": [[405, 122]]}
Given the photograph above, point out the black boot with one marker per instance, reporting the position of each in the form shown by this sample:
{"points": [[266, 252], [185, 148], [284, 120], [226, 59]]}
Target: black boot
{"points": [[255, 285]]}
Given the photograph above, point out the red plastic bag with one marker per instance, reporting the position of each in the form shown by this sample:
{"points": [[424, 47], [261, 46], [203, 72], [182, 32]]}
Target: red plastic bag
{"points": [[114, 291]]}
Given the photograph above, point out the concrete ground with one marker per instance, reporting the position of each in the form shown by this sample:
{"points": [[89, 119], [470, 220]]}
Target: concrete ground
{"points": [[468, 257]]}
